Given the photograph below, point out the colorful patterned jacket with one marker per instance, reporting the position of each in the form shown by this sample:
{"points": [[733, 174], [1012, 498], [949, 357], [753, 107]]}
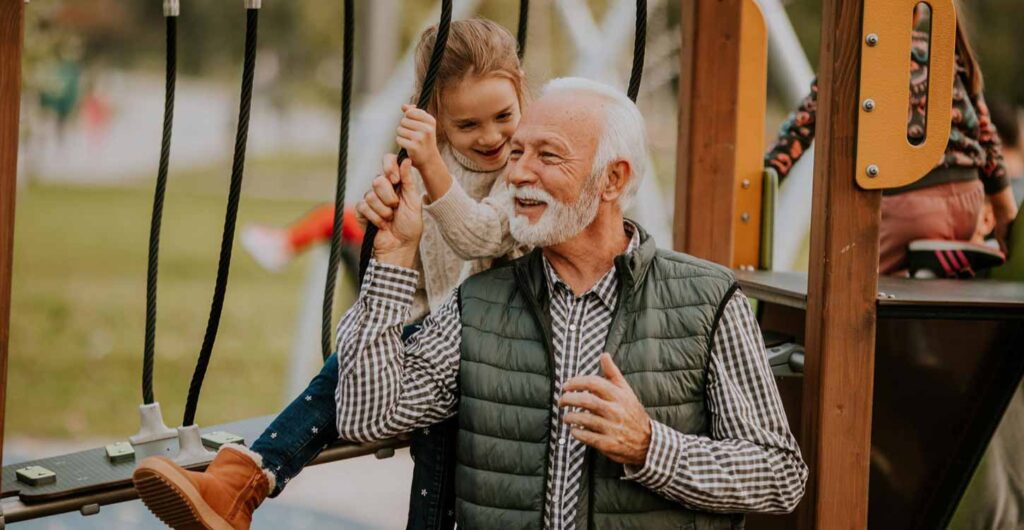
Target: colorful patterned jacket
{"points": [[973, 142]]}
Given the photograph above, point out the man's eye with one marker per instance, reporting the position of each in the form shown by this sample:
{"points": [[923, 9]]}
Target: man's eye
{"points": [[516, 153], [548, 154]]}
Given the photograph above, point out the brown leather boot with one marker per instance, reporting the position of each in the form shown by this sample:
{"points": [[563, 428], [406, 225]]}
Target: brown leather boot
{"points": [[221, 498]]}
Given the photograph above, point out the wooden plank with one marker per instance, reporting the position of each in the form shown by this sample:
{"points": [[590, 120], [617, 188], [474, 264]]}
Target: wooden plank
{"points": [[11, 34], [841, 311], [705, 162], [751, 105]]}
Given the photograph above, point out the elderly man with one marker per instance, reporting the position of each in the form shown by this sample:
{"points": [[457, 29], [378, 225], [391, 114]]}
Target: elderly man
{"points": [[599, 381]]}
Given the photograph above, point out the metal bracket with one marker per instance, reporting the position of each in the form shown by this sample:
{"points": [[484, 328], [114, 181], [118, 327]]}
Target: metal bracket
{"points": [[152, 426], [172, 8], [191, 450]]}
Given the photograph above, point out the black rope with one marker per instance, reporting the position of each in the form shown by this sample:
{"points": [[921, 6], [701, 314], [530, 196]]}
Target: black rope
{"points": [[158, 211], [230, 216], [639, 48], [339, 196], [524, 19], [425, 93]]}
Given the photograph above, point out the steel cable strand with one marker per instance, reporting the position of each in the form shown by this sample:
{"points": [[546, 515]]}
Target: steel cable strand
{"points": [[524, 19], [436, 54], [148, 354], [639, 49], [339, 195], [230, 216]]}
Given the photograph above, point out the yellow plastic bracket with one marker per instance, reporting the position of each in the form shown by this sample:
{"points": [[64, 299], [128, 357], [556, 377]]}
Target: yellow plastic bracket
{"points": [[885, 158], [750, 119]]}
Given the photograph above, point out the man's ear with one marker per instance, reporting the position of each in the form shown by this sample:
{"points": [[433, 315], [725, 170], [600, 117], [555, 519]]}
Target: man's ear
{"points": [[619, 174]]}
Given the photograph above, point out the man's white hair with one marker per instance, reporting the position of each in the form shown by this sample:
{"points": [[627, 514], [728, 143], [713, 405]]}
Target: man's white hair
{"points": [[624, 136]]}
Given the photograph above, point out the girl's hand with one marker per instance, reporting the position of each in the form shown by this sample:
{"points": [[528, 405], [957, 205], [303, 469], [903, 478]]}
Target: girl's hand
{"points": [[417, 134], [1005, 209], [397, 215]]}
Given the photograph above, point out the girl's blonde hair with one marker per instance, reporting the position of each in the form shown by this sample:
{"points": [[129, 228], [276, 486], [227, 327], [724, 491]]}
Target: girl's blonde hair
{"points": [[476, 47], [975, 80]]}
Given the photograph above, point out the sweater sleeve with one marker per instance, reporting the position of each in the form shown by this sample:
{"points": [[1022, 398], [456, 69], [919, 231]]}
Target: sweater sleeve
{"points": [[474, 230], [993, 171], [795, 135]]}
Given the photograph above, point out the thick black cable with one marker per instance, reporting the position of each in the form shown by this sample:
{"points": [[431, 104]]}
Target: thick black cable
{"points": [[436, 54], [639, 49], [158, 211], [327, 345], [524, 20], [230, 216]]}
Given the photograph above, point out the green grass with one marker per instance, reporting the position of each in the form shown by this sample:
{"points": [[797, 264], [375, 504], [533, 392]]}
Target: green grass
{"points": [[79, 310]]}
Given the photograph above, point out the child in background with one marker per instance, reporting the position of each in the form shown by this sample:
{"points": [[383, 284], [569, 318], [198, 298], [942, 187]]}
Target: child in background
{"points": [[947, 202], [461, 156]]}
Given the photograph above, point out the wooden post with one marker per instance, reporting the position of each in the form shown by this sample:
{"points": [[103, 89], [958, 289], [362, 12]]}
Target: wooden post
{"points": [[706, 162], [842, 290], [11, 27]]}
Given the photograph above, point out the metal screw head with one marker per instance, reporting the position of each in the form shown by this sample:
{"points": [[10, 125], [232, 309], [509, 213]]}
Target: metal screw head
{"points": [[869, 105], [745, 184], [872, 39], [745, 217], [872, 171]]}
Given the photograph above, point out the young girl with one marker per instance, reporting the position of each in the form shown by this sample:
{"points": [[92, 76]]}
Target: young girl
{"points": [[460, 155], [947, 202]]}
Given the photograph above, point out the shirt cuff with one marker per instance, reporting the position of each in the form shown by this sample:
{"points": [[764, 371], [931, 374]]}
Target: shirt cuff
{"points": [[663, 457], [451, 209], [390, 283]]}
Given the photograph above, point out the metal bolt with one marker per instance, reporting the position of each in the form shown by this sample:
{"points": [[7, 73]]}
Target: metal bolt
{"points": [[746, 184], [881, 294], [872, 171], [890, 296], [745, 217], [872, 39], [869, 105]]}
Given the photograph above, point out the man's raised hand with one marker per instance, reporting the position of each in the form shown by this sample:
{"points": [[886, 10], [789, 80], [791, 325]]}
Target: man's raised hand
{"points": [[613, 420], [397, 214]]}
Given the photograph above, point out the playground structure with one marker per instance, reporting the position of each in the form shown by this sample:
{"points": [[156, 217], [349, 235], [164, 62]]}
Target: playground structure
{"points": [[864, 338]]}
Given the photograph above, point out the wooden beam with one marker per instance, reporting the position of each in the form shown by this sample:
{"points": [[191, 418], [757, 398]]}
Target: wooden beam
{"points": [[12, 17], [842, 290], [705, 161]]}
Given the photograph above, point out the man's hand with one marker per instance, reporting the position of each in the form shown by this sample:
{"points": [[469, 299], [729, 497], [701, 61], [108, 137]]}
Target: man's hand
{"points": [[613, 420], [397, 213]]}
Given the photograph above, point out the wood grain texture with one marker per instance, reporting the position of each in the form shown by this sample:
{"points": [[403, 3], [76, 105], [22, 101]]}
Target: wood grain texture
{"points": [[842, 290], [11, 35], [706, 163]]}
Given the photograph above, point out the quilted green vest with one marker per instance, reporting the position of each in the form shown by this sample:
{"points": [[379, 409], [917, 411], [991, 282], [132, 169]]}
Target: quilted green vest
{"points": [[660, 337]]}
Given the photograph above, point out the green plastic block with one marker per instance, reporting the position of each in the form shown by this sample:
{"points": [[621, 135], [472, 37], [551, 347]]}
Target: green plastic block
{"points": [[120, 452], [214, 440], [36, 476]]}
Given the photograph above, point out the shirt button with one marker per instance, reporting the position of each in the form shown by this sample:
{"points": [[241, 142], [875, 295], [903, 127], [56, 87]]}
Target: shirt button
{"points": [[561, 441], [572, 327]]}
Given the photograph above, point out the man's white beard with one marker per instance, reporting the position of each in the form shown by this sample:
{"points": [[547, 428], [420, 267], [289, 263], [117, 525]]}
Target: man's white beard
{"points": [[560, 222]]}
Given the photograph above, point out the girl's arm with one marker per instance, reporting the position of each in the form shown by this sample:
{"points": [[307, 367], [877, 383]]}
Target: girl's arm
{"points": [[795, 135], [474, 230], [993, 173]]}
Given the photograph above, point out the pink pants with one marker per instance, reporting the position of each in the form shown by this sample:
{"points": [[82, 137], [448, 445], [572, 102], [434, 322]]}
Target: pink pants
{"points": [[945, 211]]}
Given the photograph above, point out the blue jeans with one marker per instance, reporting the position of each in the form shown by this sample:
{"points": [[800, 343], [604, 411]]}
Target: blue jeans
{"points": [[307, 425]]}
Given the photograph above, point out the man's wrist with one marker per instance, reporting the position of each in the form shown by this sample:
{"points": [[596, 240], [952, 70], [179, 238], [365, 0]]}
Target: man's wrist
{"points": [[404, 257]]}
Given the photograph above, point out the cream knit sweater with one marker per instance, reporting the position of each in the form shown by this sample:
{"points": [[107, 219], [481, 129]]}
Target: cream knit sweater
{"points": [[463, 231]]}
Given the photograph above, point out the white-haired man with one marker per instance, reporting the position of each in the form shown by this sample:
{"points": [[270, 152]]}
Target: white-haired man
{"points": [[599, 381]]}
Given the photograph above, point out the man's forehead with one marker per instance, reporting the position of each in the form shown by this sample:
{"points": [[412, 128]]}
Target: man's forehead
{"points": [[565, 115]]}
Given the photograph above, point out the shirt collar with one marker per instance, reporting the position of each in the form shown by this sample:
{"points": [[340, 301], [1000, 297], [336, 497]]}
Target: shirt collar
{"points": [[606, 288]]}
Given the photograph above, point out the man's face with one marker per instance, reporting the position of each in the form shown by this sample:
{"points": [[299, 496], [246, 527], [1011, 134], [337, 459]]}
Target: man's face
{"points": [[554, 188]]}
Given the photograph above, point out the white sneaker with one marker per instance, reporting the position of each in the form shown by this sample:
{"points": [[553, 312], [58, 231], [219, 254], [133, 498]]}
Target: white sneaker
{"points": [[268, 246]]}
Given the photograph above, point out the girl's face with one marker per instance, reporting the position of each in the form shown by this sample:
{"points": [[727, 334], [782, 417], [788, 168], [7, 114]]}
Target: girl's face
{"points": [[480, 115]]}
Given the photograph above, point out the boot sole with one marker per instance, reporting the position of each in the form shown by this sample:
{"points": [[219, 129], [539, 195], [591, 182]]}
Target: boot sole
{"points": [[173, 499]]}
